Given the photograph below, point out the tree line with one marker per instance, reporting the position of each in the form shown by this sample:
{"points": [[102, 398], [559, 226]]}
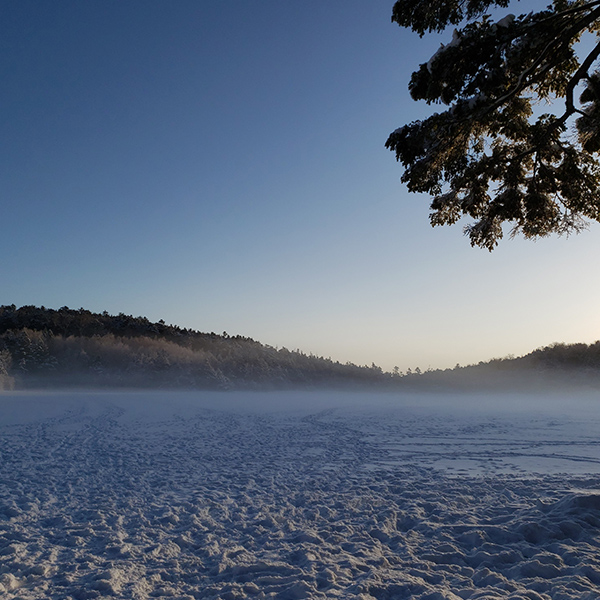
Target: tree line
{"points": [[42, 347], [46, 347]]}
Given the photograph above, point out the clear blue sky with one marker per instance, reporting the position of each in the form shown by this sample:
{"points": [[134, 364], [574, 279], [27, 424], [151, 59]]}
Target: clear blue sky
{"points": [[221, 165]]}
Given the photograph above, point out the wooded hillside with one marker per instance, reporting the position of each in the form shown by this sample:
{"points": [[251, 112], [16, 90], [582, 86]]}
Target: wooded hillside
{"points": [[42, 347], [46, 347]]}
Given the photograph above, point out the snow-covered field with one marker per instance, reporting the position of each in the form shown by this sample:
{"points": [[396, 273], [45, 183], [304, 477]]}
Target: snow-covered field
{"points": [[296, 495]]}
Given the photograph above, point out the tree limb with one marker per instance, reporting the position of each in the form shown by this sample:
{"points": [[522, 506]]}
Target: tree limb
{"points": [[580, 74], [521, 81]]}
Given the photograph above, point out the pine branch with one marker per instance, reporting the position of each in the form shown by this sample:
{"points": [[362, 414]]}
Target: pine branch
{"points": [[567, 36], [572, 10], [581, 73]]}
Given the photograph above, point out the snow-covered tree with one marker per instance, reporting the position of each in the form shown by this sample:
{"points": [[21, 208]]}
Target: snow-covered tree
{"points": [[517, 140]]}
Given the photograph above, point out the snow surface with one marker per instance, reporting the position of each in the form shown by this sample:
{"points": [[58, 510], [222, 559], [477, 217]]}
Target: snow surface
{"points": [[456, 39], [506, 21], [296, 495]]}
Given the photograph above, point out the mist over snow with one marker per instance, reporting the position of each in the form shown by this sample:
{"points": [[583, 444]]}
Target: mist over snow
{"points": [[42, 348], [223, 495], [223, 166]]}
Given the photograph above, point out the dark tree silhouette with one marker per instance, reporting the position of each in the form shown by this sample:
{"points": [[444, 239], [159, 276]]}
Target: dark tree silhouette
{"points": [[517, 139]]}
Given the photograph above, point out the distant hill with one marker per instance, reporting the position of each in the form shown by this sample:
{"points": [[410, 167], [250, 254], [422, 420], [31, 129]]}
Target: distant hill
{"points": [[558, 366], [42, 347]]}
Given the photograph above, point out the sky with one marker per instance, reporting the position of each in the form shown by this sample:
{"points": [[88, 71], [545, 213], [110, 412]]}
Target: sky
{"points": [[221, 166]]}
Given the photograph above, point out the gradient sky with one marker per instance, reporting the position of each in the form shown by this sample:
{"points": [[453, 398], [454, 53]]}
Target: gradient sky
{"points": [[221, 166]]}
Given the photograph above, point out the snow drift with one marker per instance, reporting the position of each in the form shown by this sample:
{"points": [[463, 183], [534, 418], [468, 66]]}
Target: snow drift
{"points": [[216, 495]]}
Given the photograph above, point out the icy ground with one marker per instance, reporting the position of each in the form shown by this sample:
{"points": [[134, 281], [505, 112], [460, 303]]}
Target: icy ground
{"points": [[293, 495]]}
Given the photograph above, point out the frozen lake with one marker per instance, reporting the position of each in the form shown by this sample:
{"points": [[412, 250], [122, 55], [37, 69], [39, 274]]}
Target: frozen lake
{"points": [[299, 495]]}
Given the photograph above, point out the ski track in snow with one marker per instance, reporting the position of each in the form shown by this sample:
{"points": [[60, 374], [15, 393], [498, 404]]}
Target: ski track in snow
{"points": [[295, 495]]}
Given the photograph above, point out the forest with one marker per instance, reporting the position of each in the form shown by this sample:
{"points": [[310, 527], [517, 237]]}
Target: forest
{"points": [[42, 347]]}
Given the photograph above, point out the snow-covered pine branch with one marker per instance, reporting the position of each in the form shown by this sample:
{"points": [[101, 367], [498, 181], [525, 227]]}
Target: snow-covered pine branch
{"points": [[493, 155]]}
